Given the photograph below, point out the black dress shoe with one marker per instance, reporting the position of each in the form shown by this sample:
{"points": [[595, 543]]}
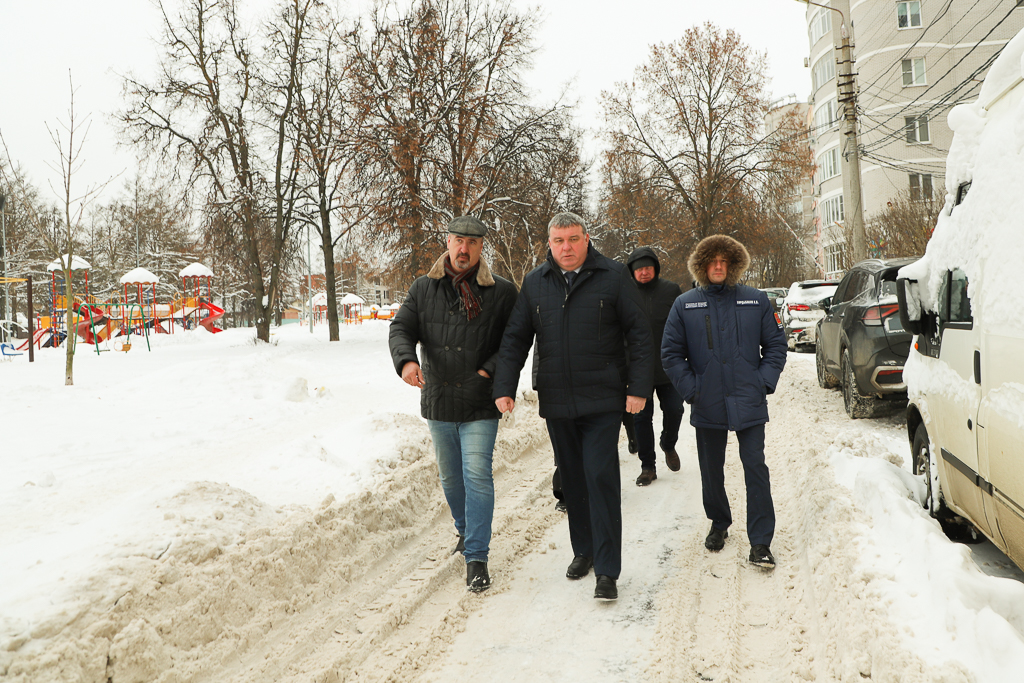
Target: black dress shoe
{"points": [[578, 568], [477, 578], [716, 539], [605, 588]]}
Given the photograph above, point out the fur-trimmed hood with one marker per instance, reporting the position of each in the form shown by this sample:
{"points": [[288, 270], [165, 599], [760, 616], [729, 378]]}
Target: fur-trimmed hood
{"points": [[710, 247], [483, 275]]}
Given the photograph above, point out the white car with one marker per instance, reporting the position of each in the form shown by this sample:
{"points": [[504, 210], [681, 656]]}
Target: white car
{"points": [[802, 310], [965, 374]]}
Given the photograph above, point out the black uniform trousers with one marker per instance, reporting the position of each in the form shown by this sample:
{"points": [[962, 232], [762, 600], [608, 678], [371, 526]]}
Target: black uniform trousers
{"points": [[711, 456], [587, 449]]}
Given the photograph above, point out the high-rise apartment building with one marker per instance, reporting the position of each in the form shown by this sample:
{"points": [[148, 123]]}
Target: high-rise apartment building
{"points": [[914, 60]]}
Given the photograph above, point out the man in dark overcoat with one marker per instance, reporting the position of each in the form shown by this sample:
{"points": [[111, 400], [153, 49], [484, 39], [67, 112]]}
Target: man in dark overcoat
{"points": [[658, 295], [586, 314], [724, 350], [457, 313]]}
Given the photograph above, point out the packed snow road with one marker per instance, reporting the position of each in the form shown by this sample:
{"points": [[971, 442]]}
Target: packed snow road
{"points": [[364, 589]]}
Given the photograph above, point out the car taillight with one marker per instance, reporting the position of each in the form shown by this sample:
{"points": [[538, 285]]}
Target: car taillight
{"points": [[876, 314], [799, 307]]}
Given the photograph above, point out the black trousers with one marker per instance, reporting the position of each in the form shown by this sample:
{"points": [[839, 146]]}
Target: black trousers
{"points": [[588, 462], [760, 508]]}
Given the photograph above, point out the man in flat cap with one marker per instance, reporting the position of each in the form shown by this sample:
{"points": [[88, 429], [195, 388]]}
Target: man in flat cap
{"points": [[457, 313]]}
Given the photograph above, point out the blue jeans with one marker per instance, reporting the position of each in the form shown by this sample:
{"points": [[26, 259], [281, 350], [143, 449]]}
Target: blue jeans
{"points": [[464, 451]]}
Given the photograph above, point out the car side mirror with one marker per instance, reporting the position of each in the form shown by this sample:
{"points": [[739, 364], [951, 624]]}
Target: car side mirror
{"points": [[911, 325], [826, 304]]}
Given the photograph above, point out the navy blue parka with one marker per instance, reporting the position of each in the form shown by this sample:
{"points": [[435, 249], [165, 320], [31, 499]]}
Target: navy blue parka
{"points": [[724, 350]]}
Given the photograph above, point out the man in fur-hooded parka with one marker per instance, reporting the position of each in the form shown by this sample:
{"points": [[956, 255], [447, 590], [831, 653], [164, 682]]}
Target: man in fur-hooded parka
{"points": [[724, 350]]}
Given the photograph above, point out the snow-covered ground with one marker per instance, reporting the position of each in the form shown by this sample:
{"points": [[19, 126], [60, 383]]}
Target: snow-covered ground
{"points": [[213, 510]]}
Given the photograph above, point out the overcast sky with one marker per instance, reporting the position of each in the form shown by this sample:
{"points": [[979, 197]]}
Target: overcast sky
{"points": [[590, 43]]}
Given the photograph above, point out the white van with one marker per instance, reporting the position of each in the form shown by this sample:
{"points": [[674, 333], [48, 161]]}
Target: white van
{"points": [[964, 303]]}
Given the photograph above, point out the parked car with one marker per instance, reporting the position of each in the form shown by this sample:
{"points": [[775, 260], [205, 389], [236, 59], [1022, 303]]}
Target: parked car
{"points": [[965, 377], [801, 311], [776, 295], [861, 345]]}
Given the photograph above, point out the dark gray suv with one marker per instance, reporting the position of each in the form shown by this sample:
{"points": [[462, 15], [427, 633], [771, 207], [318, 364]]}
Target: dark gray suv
{"points": [[861, 345]]}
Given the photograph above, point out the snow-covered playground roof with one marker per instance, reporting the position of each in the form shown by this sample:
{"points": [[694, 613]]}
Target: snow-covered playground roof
{"points": [[195, 270], [77, 263], [139, 276]]}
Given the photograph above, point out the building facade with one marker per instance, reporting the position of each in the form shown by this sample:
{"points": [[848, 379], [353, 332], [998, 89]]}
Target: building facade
{"points": [[914, 60]]}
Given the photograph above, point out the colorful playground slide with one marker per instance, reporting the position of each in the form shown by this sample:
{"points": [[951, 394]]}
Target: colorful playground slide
{"points": [[215, 313]]}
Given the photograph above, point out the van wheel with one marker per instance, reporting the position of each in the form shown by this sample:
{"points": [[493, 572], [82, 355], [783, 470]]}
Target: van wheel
{"points": [[922, 455], [856, 404], [826, 380]]}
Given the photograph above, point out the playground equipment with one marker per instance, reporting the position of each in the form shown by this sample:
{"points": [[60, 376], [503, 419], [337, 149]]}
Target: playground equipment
{"points": [[352, 307], [136, 312]]}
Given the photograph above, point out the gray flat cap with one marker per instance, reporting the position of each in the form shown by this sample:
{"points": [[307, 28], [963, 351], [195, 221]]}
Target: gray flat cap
{"points": [[467, 226]]}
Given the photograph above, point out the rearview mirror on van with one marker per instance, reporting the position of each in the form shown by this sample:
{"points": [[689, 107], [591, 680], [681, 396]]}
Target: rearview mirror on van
{"points": [[910, 325]]}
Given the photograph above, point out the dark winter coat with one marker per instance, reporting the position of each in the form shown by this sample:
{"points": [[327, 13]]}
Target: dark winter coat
{"points": [[583, 337], [658, 295], [723, 347], [453, 346]]}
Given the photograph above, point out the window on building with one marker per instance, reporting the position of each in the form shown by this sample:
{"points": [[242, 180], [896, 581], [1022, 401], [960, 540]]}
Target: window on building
{"points": [[920, 186], [824, 70], [821, 24], [913, 72], [908, 14], [826, 117], [828, 164], [833, 260], [917, 128], [832, 210]]}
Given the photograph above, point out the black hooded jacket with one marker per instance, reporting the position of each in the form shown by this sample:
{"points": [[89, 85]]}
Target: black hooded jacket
{"points": [[583, 337], [658, 295]]}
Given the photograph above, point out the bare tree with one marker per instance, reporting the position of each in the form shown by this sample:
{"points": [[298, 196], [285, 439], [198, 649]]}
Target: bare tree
{"points": [[689, 130], [222, 111], [447, 115], [69, 141]]}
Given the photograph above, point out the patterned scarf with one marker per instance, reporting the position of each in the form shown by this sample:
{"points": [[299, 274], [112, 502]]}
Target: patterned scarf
{"points": [[460, 281]]}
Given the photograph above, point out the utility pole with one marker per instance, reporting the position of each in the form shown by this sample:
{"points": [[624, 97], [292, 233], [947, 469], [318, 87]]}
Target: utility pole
{"points": [[846, 82]]}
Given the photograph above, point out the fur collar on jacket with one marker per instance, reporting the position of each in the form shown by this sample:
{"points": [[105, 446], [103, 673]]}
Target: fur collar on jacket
{"points": [[483, 275], [710, 247]]}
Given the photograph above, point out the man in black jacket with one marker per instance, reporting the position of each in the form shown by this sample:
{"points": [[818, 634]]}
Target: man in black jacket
{"points": [[586, 313], [658, 296], [457, 313]]}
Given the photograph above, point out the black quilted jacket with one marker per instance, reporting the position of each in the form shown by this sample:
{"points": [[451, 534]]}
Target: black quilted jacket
{"points": [[583, 336], [453, 347]]}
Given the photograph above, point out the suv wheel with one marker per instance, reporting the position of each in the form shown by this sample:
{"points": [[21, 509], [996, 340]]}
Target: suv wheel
{"points": [[857, 405], [826, 380]]}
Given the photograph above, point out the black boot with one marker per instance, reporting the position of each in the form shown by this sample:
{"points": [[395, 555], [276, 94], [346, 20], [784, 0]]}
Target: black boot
{"points": [[477, 578]]}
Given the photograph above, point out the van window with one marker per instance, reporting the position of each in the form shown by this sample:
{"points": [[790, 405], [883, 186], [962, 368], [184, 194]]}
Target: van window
{"points": [[959, 303], [954, 304]]}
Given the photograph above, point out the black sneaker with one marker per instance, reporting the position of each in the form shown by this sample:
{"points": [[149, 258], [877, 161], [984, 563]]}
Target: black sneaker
{"points": [[762, 556], [647, 475], [716, 539], [477, 578], [605, 588], [460, 547], [578, 568]]}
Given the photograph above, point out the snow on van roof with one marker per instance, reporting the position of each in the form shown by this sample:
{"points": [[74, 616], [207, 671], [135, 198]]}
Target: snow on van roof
{"points": [[984, 233]]}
